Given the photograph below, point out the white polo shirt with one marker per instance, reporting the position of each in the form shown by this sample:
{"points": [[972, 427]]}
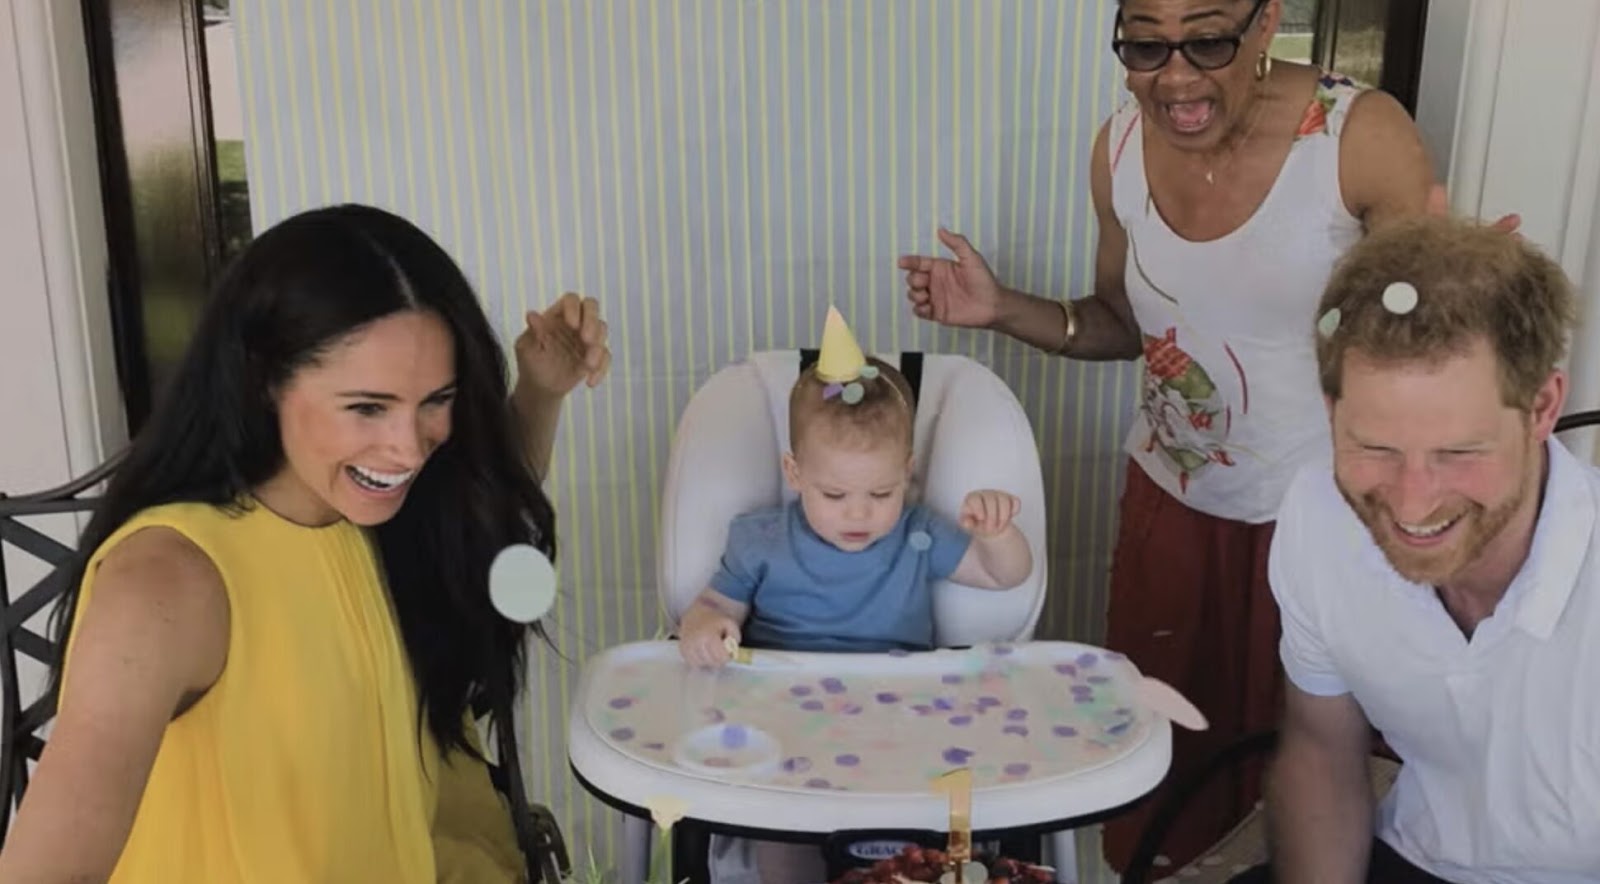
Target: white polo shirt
{"points": [[1500, 735]]}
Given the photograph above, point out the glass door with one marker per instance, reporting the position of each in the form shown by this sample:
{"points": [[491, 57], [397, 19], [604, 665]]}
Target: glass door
{"points": [[172, 174], [1377, 42]]}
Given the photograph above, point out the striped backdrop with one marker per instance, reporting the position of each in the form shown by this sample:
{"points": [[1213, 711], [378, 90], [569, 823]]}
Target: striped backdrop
{"points": [[716, 172]]}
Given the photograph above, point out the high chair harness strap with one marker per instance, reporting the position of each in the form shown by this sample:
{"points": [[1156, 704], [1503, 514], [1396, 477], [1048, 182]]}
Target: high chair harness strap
{"points": [[910, 367]]}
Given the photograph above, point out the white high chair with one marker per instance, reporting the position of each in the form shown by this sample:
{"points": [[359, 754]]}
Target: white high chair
{"points": [[970, 433]]}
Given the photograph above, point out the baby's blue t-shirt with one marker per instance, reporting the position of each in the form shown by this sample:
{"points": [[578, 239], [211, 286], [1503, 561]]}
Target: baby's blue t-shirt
{"points": [[806, 594]]}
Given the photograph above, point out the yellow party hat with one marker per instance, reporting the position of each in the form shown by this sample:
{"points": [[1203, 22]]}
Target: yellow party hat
{"points": [[840, 359]]}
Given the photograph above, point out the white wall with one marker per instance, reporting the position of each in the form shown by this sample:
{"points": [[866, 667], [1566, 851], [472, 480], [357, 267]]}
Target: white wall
{"points": [[59, 410], [1510, 105]]}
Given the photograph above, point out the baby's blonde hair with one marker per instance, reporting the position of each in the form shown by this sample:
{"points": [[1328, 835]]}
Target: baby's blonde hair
{"points": [[885, 412]]}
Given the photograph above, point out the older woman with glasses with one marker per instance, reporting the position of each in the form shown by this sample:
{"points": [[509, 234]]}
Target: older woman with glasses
{"points": [[1225, 192]]}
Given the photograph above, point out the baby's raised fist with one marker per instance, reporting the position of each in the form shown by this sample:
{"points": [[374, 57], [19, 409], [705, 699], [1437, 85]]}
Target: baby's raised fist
{"points": [[987, 513]]}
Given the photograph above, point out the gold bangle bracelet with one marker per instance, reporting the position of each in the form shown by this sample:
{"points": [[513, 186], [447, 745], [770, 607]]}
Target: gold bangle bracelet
{"points": [[1070, 314]]}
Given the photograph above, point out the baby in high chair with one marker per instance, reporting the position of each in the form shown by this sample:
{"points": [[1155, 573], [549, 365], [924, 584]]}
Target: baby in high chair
{"points": [[849, 565]]}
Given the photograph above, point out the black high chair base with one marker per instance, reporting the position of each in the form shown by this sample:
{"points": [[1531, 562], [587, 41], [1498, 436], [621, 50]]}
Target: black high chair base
{"points": [[691, 838], [859, 849]]}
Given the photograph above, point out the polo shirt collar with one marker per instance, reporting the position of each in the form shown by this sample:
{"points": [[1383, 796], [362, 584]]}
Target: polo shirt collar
{"points": [[1561, 538]]}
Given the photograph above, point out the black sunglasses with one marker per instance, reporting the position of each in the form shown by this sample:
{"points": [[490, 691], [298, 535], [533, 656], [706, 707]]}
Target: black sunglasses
{"points": [[1205, 53]]}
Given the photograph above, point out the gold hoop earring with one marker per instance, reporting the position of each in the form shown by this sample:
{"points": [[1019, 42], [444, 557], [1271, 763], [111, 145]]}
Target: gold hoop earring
{"points": [[1263, 65]]}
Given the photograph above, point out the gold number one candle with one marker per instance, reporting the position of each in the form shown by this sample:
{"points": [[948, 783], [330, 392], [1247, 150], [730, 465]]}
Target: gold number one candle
{"points": [[958, 785]]}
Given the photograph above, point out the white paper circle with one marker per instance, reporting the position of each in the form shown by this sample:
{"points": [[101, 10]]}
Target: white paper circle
{"points": [[1400, 298], [728, 751], [1328, 325], [522, 583]]}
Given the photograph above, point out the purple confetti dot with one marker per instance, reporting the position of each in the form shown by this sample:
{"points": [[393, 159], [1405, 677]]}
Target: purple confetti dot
{"points": [[943, 704], [718, 761], [1082, 690], [621, 702], [851, 709], [1066, 669], [812, 705], [801, 690], [960, 720], [797, 764], [1062, 730], [1017, 715], [1097, 679], [887, 697], [734, 736], [1017, 769], [1086, 660], [1082, 698], [1118, 728], [1002, 650], [655, 747], [956, 755], [1020, 730], [951, 679], [847, 760], [622, 734], [899, 652], [833, 685], [818, 783], [986, 702]]}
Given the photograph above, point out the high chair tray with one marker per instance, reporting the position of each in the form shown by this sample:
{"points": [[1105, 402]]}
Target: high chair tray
{"points": [[802, 742]]}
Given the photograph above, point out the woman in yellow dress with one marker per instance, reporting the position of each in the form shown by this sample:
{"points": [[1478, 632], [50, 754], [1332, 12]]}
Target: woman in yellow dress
{"points": [[282, 637]]}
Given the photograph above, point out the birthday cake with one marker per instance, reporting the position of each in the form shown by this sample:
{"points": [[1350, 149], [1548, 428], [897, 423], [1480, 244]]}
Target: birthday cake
{"points": [[924, 864]]}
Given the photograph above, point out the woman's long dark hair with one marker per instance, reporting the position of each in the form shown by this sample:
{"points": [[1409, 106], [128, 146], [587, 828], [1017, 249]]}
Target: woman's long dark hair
{"points": [[296, 290]]}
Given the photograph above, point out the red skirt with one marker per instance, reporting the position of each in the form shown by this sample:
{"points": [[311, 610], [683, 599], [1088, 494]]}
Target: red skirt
{"points": [[1190, 605]]}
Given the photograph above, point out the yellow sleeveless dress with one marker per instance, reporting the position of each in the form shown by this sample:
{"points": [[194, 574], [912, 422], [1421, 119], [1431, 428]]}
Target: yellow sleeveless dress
{"points": [[305, 762]]}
